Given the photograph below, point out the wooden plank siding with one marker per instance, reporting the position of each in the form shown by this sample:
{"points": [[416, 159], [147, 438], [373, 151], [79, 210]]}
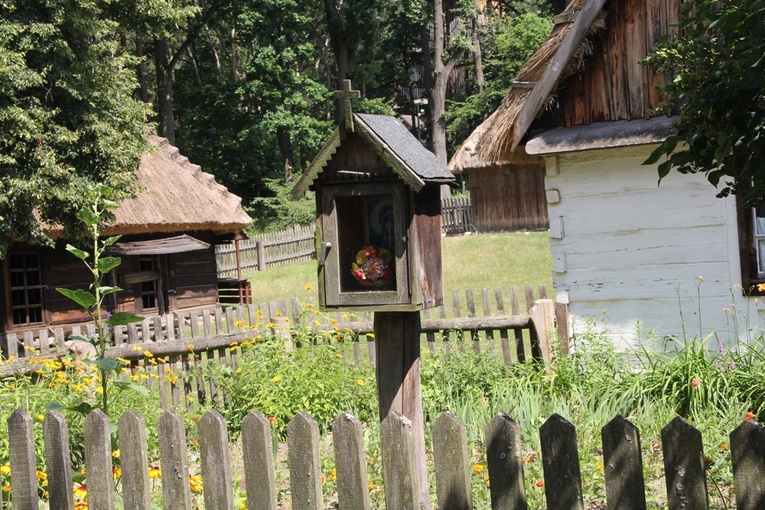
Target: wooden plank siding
{"points": [[613, 85], [635, 251], [508, 198]]}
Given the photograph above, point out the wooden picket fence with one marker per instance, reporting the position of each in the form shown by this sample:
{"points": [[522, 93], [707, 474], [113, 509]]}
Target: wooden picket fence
{"points": [[273, 249], [514, 324], [684, 464], [455, 216], [296, 243]]}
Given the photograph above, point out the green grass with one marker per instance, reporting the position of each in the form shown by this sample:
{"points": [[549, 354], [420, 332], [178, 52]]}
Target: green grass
{"points": [[470, 262]]}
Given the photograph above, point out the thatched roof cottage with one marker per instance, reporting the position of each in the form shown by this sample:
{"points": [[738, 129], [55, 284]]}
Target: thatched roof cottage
{"points": [[167, 250], [623, 246]]}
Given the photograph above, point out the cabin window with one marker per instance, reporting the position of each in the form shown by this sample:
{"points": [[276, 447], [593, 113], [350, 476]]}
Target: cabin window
{"points": [[26, 289], [751, 236], [758, 214], [149, 289]]}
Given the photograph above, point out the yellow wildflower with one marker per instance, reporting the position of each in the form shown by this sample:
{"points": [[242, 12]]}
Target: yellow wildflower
{"points": [[148, 354], [155, 473], [5, 469], [360, 382], [308, 286], [190, 347], [136, 348], [195, 484], [277, 378]]}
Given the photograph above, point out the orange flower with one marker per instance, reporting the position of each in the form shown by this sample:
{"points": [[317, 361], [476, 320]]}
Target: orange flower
{"points": [[695, 383], [750, 415], [80, 492], [540, 483], [272, 419]]}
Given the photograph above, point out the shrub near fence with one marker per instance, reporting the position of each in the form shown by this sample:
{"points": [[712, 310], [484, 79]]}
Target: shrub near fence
{"points": [[513, 323], [684, 464]]}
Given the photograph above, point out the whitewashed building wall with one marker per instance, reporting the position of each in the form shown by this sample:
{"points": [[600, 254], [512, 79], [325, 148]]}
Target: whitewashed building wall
{"points": [[631, 254]]}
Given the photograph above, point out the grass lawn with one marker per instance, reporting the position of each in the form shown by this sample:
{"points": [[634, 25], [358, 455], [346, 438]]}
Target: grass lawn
{"points": [[470, 262]]}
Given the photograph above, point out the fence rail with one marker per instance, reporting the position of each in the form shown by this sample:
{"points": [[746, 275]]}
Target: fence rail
{"points": [[297, 243], [266, 250], [684, 464], [516, 324]]}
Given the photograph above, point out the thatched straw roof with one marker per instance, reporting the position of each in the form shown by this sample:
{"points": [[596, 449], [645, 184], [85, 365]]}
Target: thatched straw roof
{"points": [[537, 80], [467, 158], [177, 196]]}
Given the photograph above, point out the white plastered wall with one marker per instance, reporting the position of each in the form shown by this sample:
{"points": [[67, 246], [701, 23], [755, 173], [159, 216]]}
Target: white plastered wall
{"points": [[640, 260]]}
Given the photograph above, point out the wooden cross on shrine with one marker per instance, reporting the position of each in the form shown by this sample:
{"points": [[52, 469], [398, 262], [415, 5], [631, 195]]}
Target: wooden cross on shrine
{"points": [[346, 95]]}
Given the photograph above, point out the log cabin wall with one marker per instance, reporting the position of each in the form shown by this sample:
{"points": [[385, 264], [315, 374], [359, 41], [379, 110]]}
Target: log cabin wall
{"points": [[188, 280], [614, 85], [62, 269], [194, 276], [508, 197]]}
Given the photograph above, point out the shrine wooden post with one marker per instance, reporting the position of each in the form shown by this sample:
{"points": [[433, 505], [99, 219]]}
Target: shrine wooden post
{"points": [[378, 240], [397, 347]]}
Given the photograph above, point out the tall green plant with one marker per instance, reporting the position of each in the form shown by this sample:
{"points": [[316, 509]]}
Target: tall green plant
{"points": [[92, 300]]}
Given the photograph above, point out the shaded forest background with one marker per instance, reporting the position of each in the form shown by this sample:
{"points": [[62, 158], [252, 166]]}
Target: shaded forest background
{"points": [[244, 89]]}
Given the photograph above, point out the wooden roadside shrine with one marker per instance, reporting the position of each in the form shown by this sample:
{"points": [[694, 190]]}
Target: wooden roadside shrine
{"points": [[378, 239]]}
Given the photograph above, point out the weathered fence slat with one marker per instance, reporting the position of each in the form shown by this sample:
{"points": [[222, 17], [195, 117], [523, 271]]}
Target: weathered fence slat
{"points": [[505, 463], [623, 465], [218, 482], [560, 461], [402, 488], [684, 466], [58, 463], [305, 463], [21, 446], [259, 478], [174, 461], [350, 463], [451, 463], [136, 491], [747, 446], [98, 461]]}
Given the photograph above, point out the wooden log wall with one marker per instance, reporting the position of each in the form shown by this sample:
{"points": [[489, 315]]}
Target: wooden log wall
{"points": [[686, 485], [614, 85]]}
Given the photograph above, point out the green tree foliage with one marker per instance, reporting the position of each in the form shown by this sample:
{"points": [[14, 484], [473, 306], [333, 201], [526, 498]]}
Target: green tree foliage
{"points": [[67, 114], [250, 106], [508, 43], [719, 90]]}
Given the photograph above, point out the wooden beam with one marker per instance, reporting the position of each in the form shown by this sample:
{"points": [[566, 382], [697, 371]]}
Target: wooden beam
{"points": [[554, 69]]}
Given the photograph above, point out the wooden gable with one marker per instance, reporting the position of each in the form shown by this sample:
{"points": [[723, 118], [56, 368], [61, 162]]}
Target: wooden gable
{"points": [[614, 85]]}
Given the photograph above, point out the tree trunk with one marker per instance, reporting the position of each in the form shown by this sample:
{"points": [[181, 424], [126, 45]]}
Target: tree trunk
{"points": [[477, 57], [141, 71], [285, 148], [344, 51], [441, 72], [164, 90]]}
